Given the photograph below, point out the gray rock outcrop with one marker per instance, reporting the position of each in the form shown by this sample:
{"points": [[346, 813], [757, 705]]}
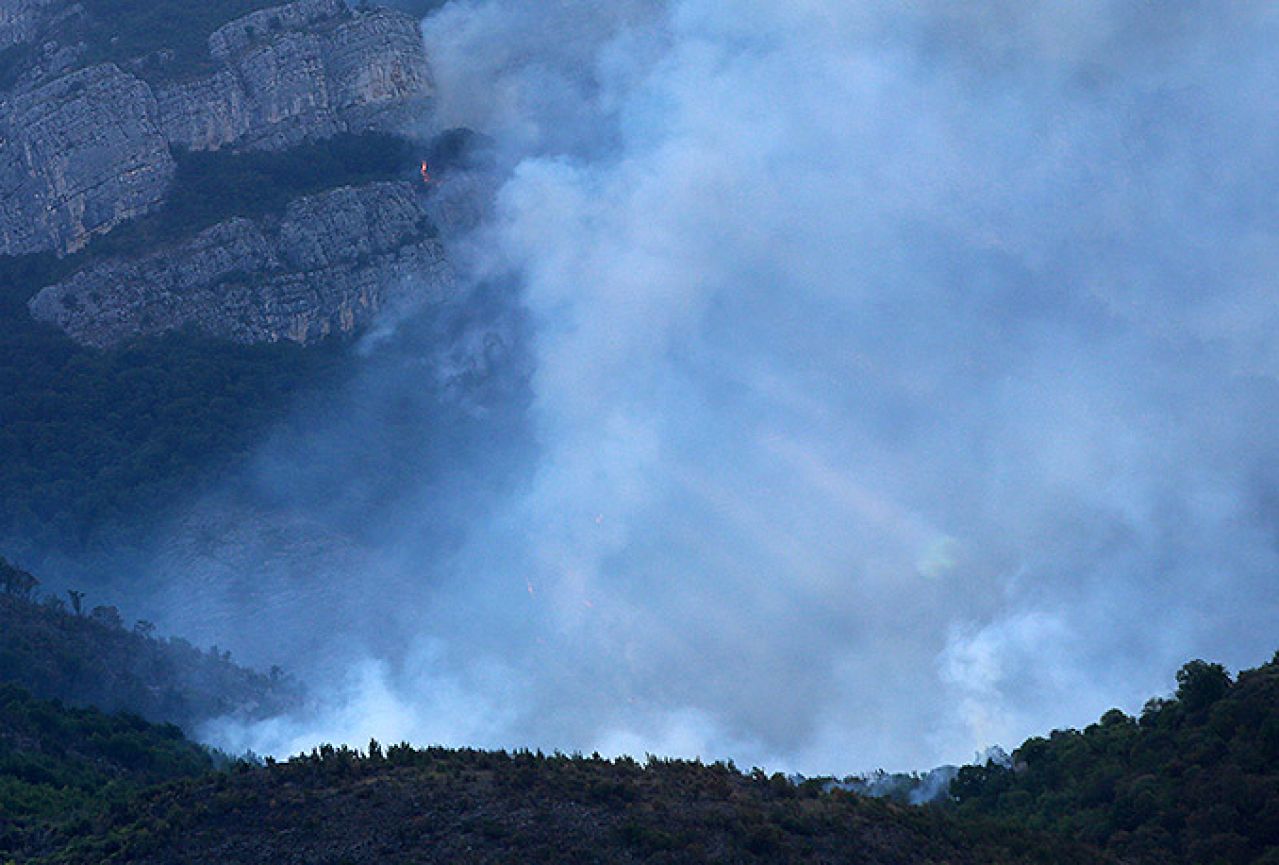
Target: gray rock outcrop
{"points": [[82, 151], [298, 72], [326, 266], [78, 156]]}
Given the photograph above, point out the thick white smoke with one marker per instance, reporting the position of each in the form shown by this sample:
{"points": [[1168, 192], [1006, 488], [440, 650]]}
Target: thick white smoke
{"points": [[904, 378]]}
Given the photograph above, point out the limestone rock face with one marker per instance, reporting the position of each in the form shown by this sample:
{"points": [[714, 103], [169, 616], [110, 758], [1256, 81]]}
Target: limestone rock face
{"points": [[78, 156], [300, 72], [326, 266], [85, 149]]}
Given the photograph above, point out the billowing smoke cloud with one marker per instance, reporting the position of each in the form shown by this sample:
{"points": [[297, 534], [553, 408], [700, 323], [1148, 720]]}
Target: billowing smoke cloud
{"points": [[902, 381]]}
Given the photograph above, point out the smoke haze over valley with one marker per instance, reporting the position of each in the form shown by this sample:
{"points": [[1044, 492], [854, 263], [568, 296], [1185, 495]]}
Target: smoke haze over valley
{"points": [[837, 385]]}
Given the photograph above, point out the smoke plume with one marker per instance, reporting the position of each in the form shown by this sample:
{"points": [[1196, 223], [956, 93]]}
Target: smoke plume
{"points": [[894, 380]]}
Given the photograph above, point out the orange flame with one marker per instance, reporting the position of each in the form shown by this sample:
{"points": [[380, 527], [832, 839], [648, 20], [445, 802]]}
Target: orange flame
{"points": [[426, 175]]}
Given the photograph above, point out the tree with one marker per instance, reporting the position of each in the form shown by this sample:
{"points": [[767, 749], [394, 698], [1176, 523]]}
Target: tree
{"points": [[77, 600], [107, 615], [1200, 684], [15, 581]]}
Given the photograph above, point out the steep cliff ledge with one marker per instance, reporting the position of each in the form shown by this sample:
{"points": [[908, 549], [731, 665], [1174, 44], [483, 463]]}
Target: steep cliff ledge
{"points": [[78, 156], [298, 72], [84, 148], [326, 266]]}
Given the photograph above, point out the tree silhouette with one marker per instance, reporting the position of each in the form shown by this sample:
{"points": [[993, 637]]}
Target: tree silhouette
{"points": [[1200, 684], [15, 581]]}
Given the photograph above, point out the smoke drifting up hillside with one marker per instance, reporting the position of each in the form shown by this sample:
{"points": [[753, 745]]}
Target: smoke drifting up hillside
{"points": [[903, 380]]}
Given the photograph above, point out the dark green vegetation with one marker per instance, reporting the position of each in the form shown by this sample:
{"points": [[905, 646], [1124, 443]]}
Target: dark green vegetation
{"points": [[403, 805], [1194, 780], [92, 439], [64, 766], [84, 654]]}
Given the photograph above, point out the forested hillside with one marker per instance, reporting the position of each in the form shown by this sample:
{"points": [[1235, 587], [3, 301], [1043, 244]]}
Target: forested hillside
{"points": [[63, 766], [84, 653], [1194, 779], [438, 805], [96, 439]]}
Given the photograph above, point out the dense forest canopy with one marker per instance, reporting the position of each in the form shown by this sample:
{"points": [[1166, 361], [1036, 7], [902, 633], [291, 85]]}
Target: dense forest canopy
{"points": [[61, 765], [1194, 779], [399, 803]]}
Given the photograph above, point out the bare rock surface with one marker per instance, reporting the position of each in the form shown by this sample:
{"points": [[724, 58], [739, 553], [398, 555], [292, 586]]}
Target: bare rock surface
{"points": [[84, 149], [299, 72], [22, 20], [327, 266], [78, 156]]}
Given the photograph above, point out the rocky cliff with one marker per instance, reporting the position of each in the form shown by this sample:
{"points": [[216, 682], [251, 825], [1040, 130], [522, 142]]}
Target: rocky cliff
{"points": [[83, 149], [326, 266], [95, 101], [298, 72], [78, 156]]}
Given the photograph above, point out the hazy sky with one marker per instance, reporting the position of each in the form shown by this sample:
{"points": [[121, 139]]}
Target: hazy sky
{"points": [[904, 381]]}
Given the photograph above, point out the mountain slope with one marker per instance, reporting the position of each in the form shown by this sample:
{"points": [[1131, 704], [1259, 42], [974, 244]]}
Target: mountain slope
{"points": [[89, 124], [91, 659], [180, 177], [438, 805], [1194, 780], [59, 764], [102, 105]]}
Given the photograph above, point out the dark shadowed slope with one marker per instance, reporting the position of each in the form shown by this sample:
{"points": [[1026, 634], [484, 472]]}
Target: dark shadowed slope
{"points": [[437, 805], [89, 657]]}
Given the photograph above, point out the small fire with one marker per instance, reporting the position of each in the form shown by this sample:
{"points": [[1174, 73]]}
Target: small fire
{"points": [[426, 174]]}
